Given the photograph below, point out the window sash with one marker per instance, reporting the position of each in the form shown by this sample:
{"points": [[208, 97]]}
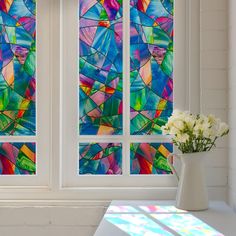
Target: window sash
{"points": [[58, 187], [69, 82], [43, 114]]}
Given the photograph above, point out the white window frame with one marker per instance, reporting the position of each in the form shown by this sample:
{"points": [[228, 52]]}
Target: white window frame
{"points": [[69, 84], [50, 184], [42, 137]]}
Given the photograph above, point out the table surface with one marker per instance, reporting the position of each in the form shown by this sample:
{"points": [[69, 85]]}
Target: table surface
{"points": [[149, 218]]}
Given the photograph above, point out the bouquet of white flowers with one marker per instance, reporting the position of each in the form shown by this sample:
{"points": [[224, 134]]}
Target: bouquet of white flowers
{"points": [[194, 133]]}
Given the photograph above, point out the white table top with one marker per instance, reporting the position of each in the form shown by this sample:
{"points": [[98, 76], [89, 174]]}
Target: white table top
{"points": [[149, 218]]}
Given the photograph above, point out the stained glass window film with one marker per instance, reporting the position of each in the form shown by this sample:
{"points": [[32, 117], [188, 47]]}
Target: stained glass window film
{"points": [[100, 67], [100, 83], [17, 66], [100, 158], [151, 69], [150, 158], [17, 158]]}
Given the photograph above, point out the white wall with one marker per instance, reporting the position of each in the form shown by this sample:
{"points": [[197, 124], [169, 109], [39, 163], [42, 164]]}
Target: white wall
{"points": [[232, 103], [76, 220], [214, 84]]}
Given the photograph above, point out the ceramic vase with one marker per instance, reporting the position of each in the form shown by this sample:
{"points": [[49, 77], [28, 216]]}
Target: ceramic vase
{"points": [[192, 192]]}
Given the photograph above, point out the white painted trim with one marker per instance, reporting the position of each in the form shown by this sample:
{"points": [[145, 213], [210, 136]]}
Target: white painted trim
{"points": [[53, 191], [72, 195], [193, 65], [181, 38], [43, 103], [56, 98], [69, 103]]}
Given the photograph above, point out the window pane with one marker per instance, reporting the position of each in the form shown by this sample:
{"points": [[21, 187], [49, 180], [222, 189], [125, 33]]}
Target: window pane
{"points": [[17, 65], [100, 158], [100, 54], [17, 158], [151, 69], [150, 158]]}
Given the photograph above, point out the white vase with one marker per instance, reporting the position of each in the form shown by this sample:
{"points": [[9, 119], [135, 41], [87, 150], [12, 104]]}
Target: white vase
{"points": [[192, 191]]}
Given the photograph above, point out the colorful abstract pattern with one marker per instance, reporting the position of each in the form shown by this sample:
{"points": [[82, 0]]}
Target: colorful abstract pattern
{"points": [[100, 93], [151, 69], [17, 159], [17, 67], [150, 158], [100, 158]]}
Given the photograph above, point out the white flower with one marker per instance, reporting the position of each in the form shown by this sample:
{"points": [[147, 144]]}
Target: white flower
{"points": [[202, 126], [212, 119], [198, 129], [223, 129], [189, 121], [182, 138], [177, 112], [184, 126], [174, 131], [165, 130], [179, 124], [209, 133], [202, 119]]}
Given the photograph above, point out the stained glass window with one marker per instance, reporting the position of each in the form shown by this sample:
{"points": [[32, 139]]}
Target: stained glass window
{"points": [[17, 66], [100, 62], [18, 85], [100, 158], [149, 82], [17, 158], [150, 158], [151, 69]]}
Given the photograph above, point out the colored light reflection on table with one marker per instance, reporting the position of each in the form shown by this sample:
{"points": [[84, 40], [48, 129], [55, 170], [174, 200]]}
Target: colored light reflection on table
{"points": [[186, 224], [137, 224], [161, 209], [157, 220], [122, 209]]}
